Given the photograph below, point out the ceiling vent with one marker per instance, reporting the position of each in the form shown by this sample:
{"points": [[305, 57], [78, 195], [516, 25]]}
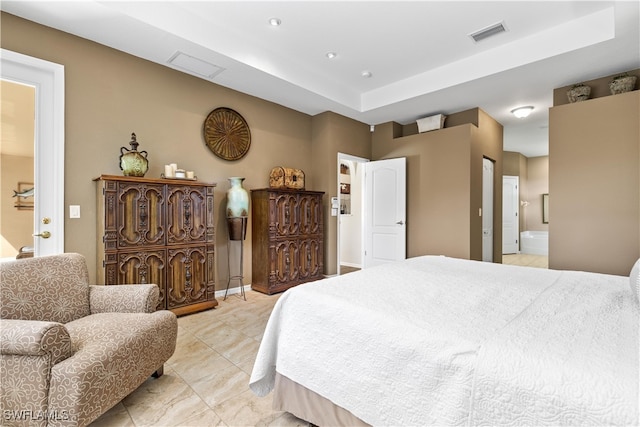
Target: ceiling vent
{"points": [[194, 65], [487, 32]]}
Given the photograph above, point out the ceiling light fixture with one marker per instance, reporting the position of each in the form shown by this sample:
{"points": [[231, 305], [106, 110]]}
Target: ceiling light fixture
{"points": [[366, 74], [522, 112], [331, 55], [275, 22]]}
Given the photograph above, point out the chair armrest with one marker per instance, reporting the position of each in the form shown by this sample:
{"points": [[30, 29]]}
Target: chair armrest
{"points": [[34, 338], [123, 298]]}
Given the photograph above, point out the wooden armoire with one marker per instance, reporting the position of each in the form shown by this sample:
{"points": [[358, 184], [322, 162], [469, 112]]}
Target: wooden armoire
{"points": [[287, 240], [158, 231]]}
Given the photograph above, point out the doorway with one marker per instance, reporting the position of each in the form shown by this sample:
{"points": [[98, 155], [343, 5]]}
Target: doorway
{"points": [[371, 211], [350, 212], [47, 80]]}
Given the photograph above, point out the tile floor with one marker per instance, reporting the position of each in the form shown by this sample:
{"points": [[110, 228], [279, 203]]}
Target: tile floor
{"points": [[539, 261], [206, 381]]}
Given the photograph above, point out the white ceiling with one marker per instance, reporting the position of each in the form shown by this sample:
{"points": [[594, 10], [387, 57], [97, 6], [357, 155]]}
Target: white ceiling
{"points": [[419, 53]]}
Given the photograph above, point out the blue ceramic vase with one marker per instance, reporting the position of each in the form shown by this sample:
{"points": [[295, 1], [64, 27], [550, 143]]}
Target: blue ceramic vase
{"points": [[237, 199]]}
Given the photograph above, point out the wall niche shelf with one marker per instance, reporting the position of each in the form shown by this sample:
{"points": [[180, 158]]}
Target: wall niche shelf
{"points": [[345, 189]]}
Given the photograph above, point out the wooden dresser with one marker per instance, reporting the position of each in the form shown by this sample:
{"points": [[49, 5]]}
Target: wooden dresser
{"points": [[158, 231], [286, 238]]}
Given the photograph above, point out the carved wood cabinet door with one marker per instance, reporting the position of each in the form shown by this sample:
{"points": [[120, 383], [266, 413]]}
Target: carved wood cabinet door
{"points": [[310, 214], [284, 262], [142, 267], [188, 276], [140, 215], [285, 214], [186, 215], [310, 258]]}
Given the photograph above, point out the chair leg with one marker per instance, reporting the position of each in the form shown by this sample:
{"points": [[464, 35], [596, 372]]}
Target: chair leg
{"points": [[159, 372]]}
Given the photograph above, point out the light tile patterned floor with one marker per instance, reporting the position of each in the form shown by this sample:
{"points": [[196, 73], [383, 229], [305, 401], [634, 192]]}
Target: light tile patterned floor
{"points": [[206, 381], [539, 261]]}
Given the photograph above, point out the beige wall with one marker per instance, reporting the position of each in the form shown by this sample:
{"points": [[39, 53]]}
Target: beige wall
{"points": [[444, 182], [594, 185], [110, 94], [16, 225], [537, 185]]}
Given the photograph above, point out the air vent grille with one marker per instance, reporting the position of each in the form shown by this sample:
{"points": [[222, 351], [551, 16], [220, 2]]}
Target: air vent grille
{"points": [[195, 65], [489, 31]]}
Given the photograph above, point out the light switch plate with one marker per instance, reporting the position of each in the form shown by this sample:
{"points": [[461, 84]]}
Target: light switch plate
{"points": [[74, 211]]}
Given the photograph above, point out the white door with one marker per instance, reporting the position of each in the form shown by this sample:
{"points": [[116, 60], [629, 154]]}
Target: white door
{"points": [[510, 220], [48, 80], [487, 210], [385, 212]]}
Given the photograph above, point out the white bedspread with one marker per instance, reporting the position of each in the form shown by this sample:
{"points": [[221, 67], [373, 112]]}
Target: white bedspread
{"points": [[443, 341]]}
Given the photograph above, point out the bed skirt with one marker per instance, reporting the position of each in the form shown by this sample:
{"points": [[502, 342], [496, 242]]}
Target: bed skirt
{"points": [[309, 406]]}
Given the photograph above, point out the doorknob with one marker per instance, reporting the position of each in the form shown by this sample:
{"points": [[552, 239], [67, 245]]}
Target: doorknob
{"points": [[400, 222], [44, 235]]}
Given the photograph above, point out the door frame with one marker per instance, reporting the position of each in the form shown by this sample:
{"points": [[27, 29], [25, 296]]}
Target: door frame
{"points": [[48, 80], [488, 203], [356, 159]]}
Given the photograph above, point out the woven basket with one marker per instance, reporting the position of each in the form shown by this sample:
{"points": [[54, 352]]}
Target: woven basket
{"points": [[579, 93], [622, 84]]}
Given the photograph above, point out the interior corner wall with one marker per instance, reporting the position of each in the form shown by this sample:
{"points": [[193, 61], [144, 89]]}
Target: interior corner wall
{"points": [[331, 134], [109, 94]]}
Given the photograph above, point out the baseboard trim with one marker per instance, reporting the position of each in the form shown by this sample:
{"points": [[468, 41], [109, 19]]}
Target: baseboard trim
{"points": [[232, 291], [351, 264]]}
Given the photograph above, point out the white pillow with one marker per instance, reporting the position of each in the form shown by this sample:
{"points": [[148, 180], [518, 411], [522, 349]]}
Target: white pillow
{"points": [[634, 279]]}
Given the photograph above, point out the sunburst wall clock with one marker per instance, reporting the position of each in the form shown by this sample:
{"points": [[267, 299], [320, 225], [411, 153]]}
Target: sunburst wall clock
{"points": [[227, 134]]}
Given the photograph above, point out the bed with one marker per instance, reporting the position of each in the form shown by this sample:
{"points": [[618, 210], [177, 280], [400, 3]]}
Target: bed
{"points": [[434, 340]]}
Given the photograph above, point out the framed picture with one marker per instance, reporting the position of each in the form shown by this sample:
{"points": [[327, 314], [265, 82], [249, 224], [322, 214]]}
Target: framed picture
{"points": [[24, 196], [345, 188]]}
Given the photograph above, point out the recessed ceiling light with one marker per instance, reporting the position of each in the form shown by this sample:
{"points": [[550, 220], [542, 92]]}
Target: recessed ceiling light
{"points": [[275, 22], [331, 55], [366, 74], [522, 112]]}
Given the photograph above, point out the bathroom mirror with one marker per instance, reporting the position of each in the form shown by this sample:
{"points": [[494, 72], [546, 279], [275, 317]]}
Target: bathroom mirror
{"points": [[545, 208]]}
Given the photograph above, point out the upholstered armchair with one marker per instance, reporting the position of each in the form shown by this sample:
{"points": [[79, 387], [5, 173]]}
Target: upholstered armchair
{"points": [[69, 351]]}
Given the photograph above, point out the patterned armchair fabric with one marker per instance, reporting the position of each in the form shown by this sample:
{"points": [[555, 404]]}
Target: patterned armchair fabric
{"points": [[70, 351]]}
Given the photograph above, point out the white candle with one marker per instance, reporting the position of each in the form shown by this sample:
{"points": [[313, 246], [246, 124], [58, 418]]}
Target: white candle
{"points": [[168, 171], [174, 167], [190, 174]]}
